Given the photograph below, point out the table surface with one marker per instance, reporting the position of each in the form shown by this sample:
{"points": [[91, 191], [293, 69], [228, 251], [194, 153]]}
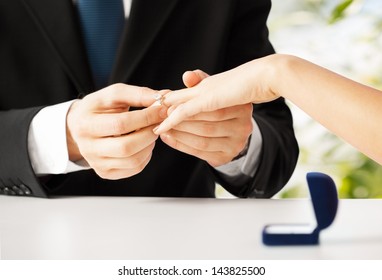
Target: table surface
{"points": [[178, 228]]}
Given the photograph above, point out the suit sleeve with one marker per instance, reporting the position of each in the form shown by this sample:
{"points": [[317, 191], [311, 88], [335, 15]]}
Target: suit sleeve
{"points": [[16, 173], [279, 153]]}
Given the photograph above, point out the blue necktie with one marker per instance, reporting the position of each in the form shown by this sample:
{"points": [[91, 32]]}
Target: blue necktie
{"points": [[102, 23]]}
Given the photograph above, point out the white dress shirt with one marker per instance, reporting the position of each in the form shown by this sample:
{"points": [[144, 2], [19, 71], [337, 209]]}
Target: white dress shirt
{"points": [[48, 151]]}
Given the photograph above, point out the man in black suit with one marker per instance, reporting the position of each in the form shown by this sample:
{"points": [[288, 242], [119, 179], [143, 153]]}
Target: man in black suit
{"points": [[109, 147]]}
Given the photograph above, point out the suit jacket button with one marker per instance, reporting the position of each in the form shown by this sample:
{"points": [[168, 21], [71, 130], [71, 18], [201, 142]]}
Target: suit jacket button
{"points": [[17, 190], [25, 189], [8, 191]]}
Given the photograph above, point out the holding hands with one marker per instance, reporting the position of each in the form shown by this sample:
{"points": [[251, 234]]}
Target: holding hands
{"points": [[206, 120], [216, 136]]}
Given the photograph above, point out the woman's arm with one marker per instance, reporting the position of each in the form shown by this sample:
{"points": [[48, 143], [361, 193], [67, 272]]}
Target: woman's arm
{"points": [[347, 108]]}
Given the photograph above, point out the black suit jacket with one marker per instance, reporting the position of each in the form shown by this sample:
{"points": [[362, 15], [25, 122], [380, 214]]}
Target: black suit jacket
{"points": [[43, 62]]}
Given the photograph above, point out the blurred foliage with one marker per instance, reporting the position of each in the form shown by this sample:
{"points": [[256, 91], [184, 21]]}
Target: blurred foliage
{"points": [[363, 178], [356, 175], [294, 192], [362, 182], [339, 11]]}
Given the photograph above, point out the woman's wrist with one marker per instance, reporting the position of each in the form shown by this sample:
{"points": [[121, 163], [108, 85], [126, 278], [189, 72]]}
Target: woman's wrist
{"points": [[264, 75], [282, 67]]}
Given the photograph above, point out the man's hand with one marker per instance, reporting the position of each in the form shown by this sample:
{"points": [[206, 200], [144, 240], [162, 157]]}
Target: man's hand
{"points": [[116, 143], [216, 137]]}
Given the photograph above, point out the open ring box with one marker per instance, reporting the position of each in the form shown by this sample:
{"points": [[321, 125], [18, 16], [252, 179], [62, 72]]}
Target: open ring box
{"points": [[324, 197]]}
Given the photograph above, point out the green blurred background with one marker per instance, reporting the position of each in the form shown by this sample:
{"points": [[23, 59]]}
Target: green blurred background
{"points": [[343, 36]]}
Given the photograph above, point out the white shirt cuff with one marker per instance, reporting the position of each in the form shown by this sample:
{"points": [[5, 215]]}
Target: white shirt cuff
{"points": [[47, 145], [248, 163]]}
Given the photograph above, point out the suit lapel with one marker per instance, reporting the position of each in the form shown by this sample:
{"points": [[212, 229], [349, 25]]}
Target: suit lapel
{"points": [[147, 17], [58, 22]]}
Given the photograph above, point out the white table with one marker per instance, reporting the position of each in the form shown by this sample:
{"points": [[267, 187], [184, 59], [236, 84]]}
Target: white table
{"points": [[175, 228]]}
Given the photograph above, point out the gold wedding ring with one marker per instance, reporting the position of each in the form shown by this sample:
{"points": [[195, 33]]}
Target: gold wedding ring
{"points": [[159, 100]]}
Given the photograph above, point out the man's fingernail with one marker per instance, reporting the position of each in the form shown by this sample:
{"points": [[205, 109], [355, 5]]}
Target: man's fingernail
{"points": [[155, 129]]}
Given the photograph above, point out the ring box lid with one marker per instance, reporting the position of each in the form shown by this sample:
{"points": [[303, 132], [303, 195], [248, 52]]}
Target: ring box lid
{"points": [[324, 198]]}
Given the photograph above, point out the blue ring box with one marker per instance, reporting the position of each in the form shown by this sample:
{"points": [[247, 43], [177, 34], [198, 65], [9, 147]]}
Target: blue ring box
{"points": [[324, 197]]}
